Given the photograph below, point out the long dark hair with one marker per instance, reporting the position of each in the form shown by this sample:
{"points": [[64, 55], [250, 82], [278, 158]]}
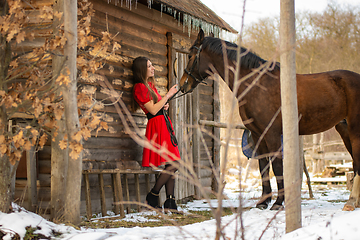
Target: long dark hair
{"points": [[139, 69]]}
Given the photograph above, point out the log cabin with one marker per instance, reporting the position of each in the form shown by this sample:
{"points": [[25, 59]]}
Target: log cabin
{"points": [[163, 31]]}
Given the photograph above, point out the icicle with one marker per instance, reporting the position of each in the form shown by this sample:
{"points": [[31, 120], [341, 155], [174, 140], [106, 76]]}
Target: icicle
{"points": [[184, 21], [161, 7], [149, 3], [189, 24]]}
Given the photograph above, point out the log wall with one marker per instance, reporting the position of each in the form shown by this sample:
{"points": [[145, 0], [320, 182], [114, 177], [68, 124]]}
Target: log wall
{"points": [[141, 31]]}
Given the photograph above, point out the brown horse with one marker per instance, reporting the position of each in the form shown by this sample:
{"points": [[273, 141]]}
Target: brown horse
{"points": [[325, 100]]}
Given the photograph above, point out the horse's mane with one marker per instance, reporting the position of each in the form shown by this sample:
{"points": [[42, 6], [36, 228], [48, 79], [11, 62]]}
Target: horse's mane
{"points": [[249, 60]]}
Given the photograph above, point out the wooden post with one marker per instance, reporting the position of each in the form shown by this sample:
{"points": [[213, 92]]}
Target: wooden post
{"points": [[120, 192], [102, 194], [87, 196], [137, 190], [115, 193], [147, 182], [127, 194], [216, 149], [31, 178], [196, 138], [289, 109]]}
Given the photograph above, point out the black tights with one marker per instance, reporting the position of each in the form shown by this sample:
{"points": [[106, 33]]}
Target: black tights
{"points": [[166, 178]]}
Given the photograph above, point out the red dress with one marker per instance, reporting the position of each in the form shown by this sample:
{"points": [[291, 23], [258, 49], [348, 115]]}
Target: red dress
{"points": [[156, 131]]}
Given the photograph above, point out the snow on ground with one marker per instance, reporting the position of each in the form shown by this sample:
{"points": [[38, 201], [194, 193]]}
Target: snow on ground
{"points": [[322, 218]]}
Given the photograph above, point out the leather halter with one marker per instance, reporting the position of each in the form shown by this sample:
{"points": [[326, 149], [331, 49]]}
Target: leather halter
{"points": [[189, 73], [196, 61]]}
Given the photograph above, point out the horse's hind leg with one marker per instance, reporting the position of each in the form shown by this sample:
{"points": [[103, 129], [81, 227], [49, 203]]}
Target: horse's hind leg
{"points": [[277, 166], [342, 129], [351, 138], [264, 167]]}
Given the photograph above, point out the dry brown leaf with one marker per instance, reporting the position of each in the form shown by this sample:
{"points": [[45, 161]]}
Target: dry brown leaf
{"points": [[77, 136], [58, 15], [20, 37], [63, 144], [42, 140], [86, 132], [3, 149], [27, 145]]}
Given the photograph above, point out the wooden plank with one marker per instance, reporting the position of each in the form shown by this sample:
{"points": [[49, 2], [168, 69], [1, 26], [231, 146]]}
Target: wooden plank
{"points": [[115, 194], [44, 179], [110, 154], [126, 190], [126, 27], [196, 138], [181, 43], [137, 191], [130, 42], [147, 182], [87, 196], [207, 109], [126, 171], [120, 194], [45, 166], [109, 142], [31, 178], [332, 156], [144, 17], [102, 194]]}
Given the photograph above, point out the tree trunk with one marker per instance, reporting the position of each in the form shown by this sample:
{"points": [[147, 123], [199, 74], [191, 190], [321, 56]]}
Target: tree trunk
{"points": [[73, 180], [5, 181], [5, 169], [59, 157], [289, 111]]}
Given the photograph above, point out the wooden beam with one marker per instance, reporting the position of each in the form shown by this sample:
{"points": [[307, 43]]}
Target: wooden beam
{"points": [[219, 124]]}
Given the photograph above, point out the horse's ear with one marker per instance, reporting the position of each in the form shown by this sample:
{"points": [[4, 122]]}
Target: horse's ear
{"points": [[211, 34], [200, 37]]}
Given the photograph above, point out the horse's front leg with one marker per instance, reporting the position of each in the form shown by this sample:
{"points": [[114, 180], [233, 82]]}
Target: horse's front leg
{"points": [[264, 166], [277, 166]]}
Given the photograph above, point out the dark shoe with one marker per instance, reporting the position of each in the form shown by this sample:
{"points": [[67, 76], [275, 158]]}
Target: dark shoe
{"points": [[170, 204], [152, 198]]}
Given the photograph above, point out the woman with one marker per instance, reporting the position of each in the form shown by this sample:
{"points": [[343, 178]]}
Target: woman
{"points": [[158, 130]]}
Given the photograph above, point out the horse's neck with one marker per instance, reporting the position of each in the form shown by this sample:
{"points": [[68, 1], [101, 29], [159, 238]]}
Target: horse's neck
{"points": [[229, 79]]}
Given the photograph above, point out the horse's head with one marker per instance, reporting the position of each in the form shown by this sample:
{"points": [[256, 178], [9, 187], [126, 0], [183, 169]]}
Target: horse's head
{"points": [[195, 71]]}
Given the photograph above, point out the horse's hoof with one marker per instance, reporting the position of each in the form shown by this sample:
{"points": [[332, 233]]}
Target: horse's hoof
{"points": [[349, 205], [262, 206], [277, 207], [348, 208]]}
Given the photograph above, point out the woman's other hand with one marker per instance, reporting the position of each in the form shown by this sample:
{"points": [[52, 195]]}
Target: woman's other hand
{"points": [[166, 106]]}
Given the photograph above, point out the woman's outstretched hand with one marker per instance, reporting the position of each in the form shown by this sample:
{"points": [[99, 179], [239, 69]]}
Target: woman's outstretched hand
{"points": [[171, 91]]}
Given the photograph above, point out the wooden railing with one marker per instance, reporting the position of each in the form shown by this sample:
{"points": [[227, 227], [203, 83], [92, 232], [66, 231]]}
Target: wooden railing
{"points": [[120, 186]]}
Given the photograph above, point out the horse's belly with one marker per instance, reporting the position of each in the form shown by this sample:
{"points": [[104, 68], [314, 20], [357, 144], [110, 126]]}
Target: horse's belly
{"points": [[320, 121]]}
